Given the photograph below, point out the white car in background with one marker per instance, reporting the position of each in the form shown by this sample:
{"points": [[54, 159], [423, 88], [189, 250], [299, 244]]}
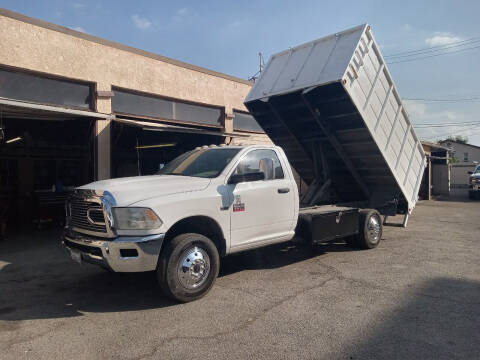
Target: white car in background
{"points": [[474, 192]]}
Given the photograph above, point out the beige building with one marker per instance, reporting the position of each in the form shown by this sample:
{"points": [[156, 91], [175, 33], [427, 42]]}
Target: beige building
{"points": [[75, 108]]}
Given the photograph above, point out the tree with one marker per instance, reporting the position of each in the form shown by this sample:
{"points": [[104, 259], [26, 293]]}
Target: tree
{"points": [[456, 138]]}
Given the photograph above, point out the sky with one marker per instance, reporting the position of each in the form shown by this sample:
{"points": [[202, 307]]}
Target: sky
{"points": [[226, 36]]}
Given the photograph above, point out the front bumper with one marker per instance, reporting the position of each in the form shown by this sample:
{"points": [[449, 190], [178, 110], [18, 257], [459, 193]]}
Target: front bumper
{"points": [[121, 254]]}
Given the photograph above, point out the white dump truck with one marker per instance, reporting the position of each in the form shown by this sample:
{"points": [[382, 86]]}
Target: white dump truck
{"points": [[335, 115]]}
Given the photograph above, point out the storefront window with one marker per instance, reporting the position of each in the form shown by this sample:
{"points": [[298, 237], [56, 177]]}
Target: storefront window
{"points": [[31, 87], [246, 122], [126, 102]]}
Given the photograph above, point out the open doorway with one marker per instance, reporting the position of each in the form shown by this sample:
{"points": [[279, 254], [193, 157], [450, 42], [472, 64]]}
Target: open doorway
{"points": [[140, 151], [41, 159]]}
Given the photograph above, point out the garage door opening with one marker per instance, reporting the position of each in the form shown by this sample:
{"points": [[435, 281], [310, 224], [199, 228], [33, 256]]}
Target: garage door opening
{"points": [[41, 159], [143, 150]]}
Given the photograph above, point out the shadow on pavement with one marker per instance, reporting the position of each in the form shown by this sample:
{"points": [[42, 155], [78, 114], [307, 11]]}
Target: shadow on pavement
{"points": [[440, 321], [276, 256], [457, 195], [41, 282], [58, 295]]}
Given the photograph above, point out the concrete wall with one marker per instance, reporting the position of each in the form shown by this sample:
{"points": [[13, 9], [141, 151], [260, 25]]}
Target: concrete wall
{"points": [[440, 179], [459, 175], [253, 139], [35, 45]]}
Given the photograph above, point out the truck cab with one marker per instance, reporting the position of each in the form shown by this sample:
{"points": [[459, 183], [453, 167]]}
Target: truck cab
{"points": [[206, 203]]}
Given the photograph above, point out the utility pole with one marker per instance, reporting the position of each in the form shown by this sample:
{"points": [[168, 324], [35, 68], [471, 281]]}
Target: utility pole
{"points": [[261, 65], [260, 57]]}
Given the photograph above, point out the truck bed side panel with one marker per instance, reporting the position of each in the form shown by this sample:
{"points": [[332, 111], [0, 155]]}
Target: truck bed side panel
{"points": [[336, 94]]}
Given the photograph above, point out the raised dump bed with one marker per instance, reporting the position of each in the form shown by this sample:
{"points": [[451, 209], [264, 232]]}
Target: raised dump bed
{"points": [[331, 104]]}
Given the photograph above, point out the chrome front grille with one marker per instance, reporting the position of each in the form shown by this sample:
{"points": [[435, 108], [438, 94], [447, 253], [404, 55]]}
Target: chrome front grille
{"points": [[87, 215]]}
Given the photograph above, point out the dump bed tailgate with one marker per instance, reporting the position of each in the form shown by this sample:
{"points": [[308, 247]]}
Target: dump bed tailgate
{"points": [[335, 95]]}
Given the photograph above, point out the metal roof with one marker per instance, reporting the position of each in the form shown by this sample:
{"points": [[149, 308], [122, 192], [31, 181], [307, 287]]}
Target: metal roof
{"points": [[434, 145], [460, 143]]}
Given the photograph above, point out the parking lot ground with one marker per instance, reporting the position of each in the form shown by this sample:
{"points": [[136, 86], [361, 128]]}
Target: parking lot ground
{"points": [[416, 296]]}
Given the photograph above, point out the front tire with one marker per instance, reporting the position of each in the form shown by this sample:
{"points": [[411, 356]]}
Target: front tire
{"points": [[188, 266]]}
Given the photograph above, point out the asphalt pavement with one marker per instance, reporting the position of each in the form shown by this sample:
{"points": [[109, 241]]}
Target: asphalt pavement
{"points": [[417, 296]]}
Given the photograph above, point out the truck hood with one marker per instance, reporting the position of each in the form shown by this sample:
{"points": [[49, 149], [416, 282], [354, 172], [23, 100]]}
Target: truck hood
{"points": [[475, 176], [129, 190]]}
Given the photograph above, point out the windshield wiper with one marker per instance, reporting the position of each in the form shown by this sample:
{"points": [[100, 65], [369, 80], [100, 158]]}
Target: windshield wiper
{"points": [[173, 174]]}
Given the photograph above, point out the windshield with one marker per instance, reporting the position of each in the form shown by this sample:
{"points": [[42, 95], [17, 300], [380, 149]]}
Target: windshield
{"points": [[477, 170], [205, 163]]}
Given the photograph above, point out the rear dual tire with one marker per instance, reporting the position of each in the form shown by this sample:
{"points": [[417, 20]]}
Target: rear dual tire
{"points": [[188, 267], [370, 230]]}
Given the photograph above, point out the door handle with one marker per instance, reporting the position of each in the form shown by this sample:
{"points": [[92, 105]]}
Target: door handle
{"points": [[283, 190]]}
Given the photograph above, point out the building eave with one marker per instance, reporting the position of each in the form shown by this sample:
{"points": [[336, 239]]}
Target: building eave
{"points": [[456, 142]]}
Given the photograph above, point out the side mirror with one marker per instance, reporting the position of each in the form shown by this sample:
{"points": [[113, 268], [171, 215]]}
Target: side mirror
{"points": [[253, 176], [470, 172]]}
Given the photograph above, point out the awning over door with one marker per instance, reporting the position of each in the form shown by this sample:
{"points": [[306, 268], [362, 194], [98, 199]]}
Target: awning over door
{"points": [[26, 110], [15, 109], [151, 126]]}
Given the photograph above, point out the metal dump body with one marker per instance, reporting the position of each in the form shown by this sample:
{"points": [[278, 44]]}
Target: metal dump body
{"points": [[334, 99]]}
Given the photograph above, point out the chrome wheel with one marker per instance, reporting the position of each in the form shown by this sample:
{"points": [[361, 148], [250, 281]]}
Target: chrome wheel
{"points": [[374, 228], [193, 267]]}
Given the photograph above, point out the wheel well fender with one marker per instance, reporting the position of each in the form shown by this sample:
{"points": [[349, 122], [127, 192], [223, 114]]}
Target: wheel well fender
{"points": [[202, 225]]}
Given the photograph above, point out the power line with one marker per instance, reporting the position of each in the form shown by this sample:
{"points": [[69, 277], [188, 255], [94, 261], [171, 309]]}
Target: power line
{"points": [[434, 55], [434, 51], [453, 133], [422, 126], [440, 50], [473, 99], [453, 96], [434, 48], [461, 122]]}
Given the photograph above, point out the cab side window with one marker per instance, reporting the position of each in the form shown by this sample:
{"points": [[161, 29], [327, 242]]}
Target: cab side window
{"points": [[265, 161]]}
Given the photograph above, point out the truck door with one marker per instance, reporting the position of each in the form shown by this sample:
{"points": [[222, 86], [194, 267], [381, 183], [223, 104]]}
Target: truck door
{"points": [[262, 210]]}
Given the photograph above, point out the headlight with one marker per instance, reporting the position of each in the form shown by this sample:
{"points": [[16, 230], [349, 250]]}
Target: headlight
{"points": [[132, 218]]}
